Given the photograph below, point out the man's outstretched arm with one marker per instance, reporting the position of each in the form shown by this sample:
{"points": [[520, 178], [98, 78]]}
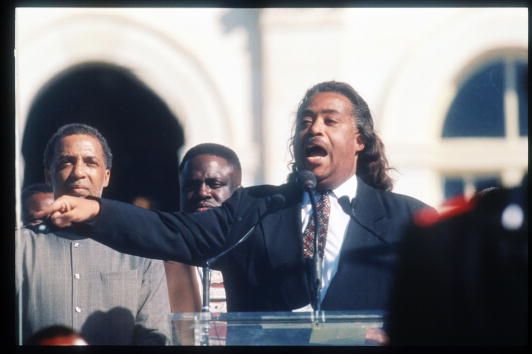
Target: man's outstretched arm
{"points": [[186, 238]]}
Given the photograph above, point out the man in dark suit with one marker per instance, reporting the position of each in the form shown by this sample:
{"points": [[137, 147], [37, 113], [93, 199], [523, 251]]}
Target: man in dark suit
{"points": [[334, 138]]}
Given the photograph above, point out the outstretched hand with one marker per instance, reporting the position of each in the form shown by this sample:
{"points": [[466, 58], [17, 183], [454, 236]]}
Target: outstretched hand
{"points": [[66, 210]]}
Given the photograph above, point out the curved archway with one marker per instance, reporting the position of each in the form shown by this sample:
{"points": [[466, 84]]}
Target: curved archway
{"points": [[142, 132], [170, 70]]}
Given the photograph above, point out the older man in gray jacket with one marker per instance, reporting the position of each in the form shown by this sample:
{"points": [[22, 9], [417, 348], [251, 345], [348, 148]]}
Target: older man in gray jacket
{"points": [[67, 278]]}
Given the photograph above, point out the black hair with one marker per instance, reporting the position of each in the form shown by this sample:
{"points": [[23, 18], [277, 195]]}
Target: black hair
{"points": [[75, 129], [212, 149], [35, 188], [30, 190]]}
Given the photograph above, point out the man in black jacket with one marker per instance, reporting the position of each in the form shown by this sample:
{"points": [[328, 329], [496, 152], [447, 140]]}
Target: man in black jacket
{"points": [[463, 276], [334, 138]]}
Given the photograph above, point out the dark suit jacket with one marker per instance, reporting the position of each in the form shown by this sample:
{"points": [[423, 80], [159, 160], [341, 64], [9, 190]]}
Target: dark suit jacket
{"points": [[267, 271]]}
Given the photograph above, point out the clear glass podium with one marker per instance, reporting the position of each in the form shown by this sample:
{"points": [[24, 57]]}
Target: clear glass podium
{"points": [[274, 328]]}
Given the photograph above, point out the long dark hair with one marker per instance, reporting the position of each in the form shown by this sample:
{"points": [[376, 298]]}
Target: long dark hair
{"points": [[372, 165]]}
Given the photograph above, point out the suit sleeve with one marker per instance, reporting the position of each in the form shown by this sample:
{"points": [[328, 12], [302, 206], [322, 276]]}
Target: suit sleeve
{"points": [[184, 237]]}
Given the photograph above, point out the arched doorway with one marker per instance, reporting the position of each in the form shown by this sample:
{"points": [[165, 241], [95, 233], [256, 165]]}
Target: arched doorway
{"points": [[142, 132]]}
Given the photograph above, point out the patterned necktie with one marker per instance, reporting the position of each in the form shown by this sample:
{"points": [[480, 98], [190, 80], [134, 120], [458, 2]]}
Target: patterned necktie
{"points": [[323, 208]]}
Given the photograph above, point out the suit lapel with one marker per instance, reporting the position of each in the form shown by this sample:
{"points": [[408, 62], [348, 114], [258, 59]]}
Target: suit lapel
{"points": [[372, 218]]}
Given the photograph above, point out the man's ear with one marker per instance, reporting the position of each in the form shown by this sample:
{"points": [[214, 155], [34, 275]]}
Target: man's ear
{"points": [[359, 144], [106, 178]]}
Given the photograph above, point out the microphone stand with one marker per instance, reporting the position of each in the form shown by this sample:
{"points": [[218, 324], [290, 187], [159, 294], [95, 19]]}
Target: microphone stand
{"points": [[206, 269], [206, 282], [205, 315], [206, 285], [276, 201]]}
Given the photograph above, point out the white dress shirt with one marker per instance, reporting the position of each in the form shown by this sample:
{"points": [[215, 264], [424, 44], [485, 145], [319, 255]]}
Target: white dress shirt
{"points": [[337, 228]]}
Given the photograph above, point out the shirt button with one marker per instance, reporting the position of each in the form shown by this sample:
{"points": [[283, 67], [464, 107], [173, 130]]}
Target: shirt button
{"points": [[77, 276], [76, 244], [77, 308]]}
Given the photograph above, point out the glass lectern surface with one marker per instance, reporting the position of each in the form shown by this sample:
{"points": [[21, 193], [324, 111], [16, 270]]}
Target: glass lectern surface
{"points": [[274, 328]]}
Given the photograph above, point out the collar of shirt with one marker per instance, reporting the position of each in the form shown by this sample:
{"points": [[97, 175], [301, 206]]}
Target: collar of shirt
{"points": [[348, 188]]}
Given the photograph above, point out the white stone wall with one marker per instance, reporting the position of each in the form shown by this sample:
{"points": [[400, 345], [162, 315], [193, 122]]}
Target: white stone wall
{"points": [[407, 63], [183, 55]]}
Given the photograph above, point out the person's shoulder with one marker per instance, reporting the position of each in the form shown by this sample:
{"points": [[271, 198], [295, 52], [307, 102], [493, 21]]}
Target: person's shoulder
{"points": [[262, 191], [25, 236], [35, 231], [27, 231], [34, 237], [290, 192], [450, 211], [487, 205], [402, 200]]}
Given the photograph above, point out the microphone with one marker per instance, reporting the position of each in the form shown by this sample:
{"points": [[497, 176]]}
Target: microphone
{"points": [[348, 208], [273, 204], [307, 180]]}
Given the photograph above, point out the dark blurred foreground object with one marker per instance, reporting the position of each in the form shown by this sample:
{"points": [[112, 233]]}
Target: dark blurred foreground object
{"points": [[462, 277], [56, 335]]}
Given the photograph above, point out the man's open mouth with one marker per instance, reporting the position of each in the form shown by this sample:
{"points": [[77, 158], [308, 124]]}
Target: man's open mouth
{"points": [[314, 151]]}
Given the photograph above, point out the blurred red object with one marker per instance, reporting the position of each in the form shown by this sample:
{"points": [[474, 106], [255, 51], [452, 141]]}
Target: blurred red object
{"points": [[73, 339]]}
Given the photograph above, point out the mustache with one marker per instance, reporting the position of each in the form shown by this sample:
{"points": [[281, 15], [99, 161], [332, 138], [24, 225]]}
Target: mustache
{"points": [[314, 140], [309, 141]]}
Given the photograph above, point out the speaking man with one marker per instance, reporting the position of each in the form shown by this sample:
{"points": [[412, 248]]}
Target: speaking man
{"points": [[359, 219]]}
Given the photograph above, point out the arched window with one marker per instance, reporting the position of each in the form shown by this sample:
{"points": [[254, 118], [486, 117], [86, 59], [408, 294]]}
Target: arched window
{"points": [[486, 126]]}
